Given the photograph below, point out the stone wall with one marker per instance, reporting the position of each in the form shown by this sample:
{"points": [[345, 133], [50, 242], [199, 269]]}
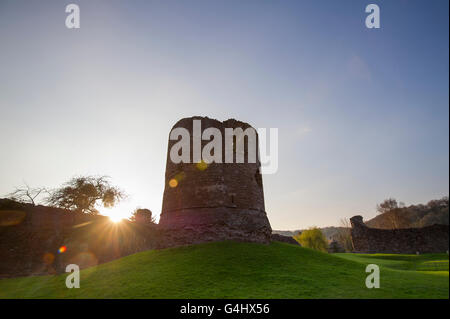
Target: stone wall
{"points": [[31, 238], [216, 201], [285, 239], [431, 239]]}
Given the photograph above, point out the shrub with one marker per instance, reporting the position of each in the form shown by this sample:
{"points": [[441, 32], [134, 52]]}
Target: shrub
{"points": [[313, 238]]}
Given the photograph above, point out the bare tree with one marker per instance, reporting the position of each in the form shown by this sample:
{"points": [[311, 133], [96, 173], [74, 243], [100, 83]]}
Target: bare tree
{"points": [[396, 218], [27, 194], [84, 193], [343, 236], [395, 213], [387, 205]]}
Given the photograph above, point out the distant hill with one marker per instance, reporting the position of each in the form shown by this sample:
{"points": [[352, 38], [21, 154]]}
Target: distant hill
{"points": [[434, 212], [421, 215], [290, 233], [329, 232]]}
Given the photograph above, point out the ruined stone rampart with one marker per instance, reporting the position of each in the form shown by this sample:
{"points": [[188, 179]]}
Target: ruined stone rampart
{"points": [[202, 202], [431, 239], [285, 239], [215, 201], [31, 238]]}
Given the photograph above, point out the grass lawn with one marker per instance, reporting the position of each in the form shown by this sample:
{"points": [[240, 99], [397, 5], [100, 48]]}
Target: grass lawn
{"points": [[244, 270], [428, 262]]}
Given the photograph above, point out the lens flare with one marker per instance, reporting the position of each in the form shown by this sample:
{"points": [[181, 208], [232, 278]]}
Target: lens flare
{"points": [[48, 258], [115, 218], [173, 183], [11, 217], [62, 249], [201, 166]]}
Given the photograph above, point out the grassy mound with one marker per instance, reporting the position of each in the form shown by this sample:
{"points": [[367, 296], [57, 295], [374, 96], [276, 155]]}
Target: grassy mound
{"points": [[243, 270]]}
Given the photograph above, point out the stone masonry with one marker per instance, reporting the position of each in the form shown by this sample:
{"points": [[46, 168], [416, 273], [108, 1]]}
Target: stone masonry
{"points": [[216, 201], [431, 239]]}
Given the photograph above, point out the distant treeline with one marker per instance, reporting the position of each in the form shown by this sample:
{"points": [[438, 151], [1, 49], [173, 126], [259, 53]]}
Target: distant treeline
{"points": [[329, 232], [395, 215]]}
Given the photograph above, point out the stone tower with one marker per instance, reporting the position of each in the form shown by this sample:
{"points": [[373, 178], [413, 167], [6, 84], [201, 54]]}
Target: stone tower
{"points": [[216, 201]]}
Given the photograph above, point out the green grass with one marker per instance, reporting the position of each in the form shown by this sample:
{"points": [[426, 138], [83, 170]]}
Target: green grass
{"points": [[244, 270], [427, 262]]}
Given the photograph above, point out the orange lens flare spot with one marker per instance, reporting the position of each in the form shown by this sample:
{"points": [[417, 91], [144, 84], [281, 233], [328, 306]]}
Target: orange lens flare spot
{"points": [[48, 258], [62, 249], [173, 183]]}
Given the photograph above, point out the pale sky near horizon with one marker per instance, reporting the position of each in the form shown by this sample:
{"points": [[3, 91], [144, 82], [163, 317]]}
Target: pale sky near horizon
{"points": [[362, 114]]}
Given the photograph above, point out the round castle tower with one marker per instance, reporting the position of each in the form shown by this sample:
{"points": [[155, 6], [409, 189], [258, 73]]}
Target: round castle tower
{"points": [[216, 201]]}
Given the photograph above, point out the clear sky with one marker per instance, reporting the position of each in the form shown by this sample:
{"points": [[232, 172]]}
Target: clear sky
{"points": [[363, 114]]}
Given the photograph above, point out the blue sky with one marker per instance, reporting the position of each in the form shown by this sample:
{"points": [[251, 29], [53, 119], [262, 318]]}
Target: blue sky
{"points": [[363, 114]]}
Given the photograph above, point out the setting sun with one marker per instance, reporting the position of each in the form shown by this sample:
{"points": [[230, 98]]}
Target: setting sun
{"points": [[118, 213], [115, 218]]}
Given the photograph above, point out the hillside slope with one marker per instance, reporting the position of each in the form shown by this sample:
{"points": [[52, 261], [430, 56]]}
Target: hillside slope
{"points": [[434, 212], [232, 270]]}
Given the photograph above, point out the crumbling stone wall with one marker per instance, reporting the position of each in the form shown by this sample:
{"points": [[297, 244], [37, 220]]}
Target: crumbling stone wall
{"points": [[31, 238], [285, 239], [208, 203], [218, 201], [431, 239]]}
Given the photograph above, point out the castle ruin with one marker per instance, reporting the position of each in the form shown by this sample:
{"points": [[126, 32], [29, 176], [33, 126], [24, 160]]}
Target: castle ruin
{"points": [[215, 201], [430, 239]]}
